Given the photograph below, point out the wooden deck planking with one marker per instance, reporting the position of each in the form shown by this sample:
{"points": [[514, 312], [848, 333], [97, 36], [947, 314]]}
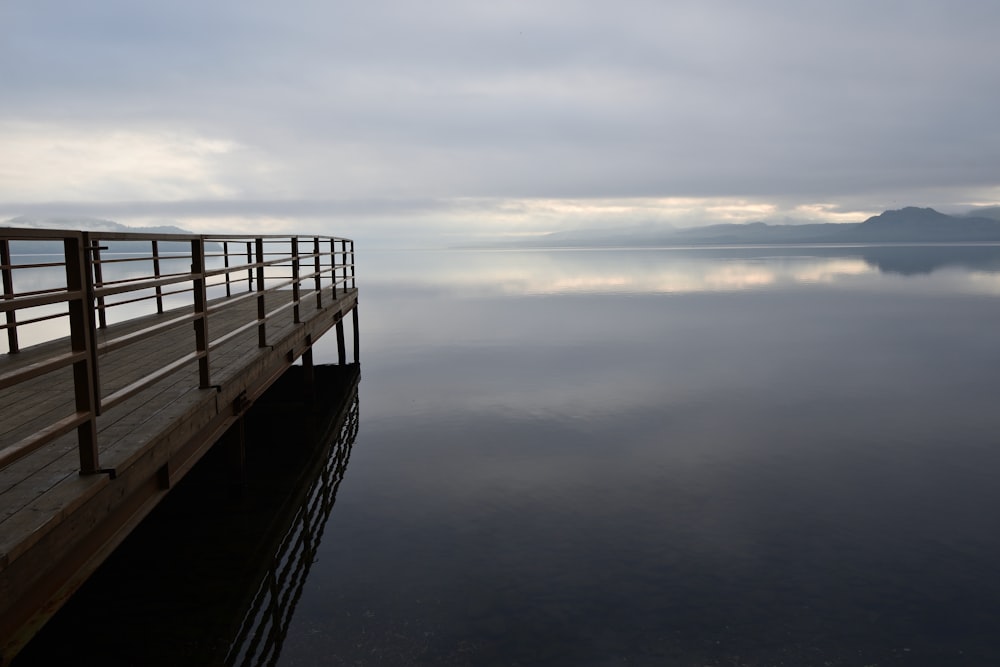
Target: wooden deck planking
{"points": [[39, 397], [42, 488], [34, 413], [118, 368]]}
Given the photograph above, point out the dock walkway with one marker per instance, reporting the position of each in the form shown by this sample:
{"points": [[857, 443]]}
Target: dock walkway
{"points": [[96, 427]]}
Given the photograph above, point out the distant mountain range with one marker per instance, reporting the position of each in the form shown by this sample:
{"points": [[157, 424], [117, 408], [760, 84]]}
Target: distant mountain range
{"points": [[87, 224], [907, 225], [95, 225]]}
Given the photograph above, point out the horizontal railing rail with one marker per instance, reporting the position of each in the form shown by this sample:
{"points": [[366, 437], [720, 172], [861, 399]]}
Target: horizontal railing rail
{"points": [[119, 277]]}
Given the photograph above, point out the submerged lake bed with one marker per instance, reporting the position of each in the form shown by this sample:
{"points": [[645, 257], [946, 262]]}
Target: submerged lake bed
{"points": [[717, 456]]}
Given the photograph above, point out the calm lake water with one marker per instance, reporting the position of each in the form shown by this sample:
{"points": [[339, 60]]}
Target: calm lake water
{"points": [[754, 456]]}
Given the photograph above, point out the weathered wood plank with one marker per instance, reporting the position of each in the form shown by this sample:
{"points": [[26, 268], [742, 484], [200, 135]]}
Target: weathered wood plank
{"points": [[124, 432], [42, 490]]}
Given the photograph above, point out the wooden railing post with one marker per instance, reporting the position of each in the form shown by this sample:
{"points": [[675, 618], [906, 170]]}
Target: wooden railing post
{"points": [[317, 283], [333, 266], [225, 263], [249, 262], [156, 274], [95, 250], [198, 281], [343, 259], [91, 301], [261, 306], [78, 279], [354, 282], [296, 315], [8, 293]]}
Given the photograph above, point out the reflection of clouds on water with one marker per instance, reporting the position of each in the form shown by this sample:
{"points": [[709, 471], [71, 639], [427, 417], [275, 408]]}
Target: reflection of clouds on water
{"points": [[832, 270], [713, 277], [987, 283], [738, 276], [617, 272], [588, 284], [938, 269]]}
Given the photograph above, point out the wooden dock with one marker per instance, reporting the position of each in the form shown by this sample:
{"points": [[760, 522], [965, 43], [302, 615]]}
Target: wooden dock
{"points": [[227, 592], [96, 426]]}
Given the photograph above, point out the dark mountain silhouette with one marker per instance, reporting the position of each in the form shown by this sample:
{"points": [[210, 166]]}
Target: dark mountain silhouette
{"points": [[756, 233], [910, 260], [906, 225], [924, 225]]}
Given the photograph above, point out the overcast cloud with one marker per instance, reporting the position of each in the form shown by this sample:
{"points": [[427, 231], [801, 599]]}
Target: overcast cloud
{"points": [[472, 117]]}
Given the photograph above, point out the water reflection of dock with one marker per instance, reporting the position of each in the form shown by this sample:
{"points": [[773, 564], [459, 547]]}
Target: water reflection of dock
{"points": [[265, 623], [226, 590], [157, 351]]}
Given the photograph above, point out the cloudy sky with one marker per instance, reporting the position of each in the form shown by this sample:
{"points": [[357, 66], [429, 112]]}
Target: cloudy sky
{"points": [[450, 118]]}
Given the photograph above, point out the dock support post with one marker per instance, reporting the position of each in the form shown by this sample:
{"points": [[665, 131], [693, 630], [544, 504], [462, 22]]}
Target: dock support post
{"points": [[236, 444], [308, 373], [357, 344], [341, 348]]}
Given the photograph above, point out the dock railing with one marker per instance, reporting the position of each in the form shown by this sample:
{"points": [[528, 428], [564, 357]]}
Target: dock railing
{"points": [[82, 281]]}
